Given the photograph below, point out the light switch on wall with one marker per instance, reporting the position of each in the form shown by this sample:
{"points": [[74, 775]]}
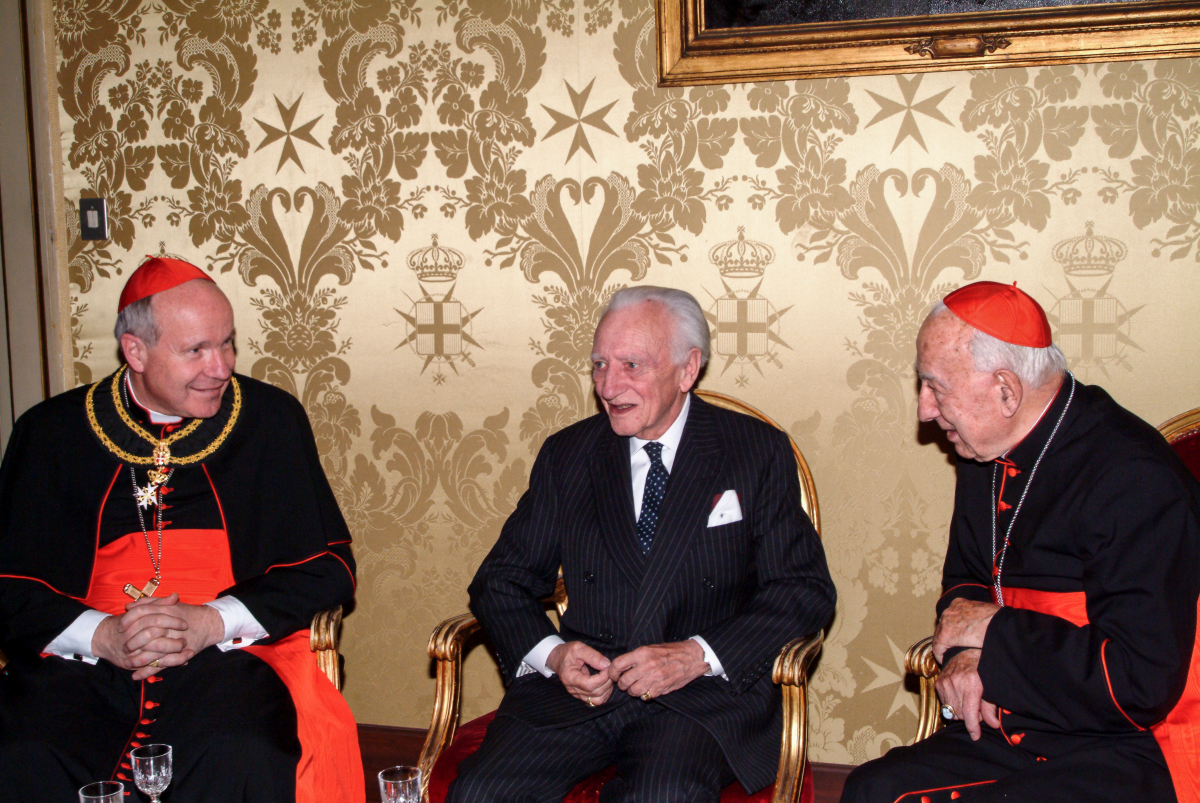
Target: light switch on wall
{"points": [[93, 222]]}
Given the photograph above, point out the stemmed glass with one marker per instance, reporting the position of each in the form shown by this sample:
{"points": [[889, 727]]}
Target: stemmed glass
{"points": [[152, 768], [400, 785], [103, 792]]}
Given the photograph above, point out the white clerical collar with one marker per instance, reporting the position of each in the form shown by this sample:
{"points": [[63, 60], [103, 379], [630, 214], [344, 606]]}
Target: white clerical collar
{"points": [[670, 439], [155, 418]]}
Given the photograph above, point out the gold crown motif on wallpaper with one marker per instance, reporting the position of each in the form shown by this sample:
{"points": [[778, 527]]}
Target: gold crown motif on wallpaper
{"points": [[1090, 255], [436, 264], [741, 258]]}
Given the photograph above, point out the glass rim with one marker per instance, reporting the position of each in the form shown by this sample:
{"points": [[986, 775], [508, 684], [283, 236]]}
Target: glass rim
{"points": [[101, 789], [150, 751], [400, 772]]}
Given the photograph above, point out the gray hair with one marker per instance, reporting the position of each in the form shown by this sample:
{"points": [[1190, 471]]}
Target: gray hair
{"points": [[138, 320], [691, 327], [1033, 366]]}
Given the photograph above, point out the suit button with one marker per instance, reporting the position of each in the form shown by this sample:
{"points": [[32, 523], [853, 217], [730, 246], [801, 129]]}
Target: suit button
{"points": [[708, 583], [588, 577], [606, 636]]}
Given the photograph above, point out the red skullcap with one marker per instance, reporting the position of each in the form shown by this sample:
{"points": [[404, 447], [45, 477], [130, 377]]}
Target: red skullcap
{"points": [[1002, 311], [155, 275]]}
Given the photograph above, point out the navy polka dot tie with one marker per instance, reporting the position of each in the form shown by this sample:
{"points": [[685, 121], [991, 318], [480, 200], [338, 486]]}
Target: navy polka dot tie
{"points": [[652, 495]]}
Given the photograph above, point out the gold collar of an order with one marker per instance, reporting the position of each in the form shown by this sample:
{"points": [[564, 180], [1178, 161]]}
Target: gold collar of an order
{"points": [[160, 445]]}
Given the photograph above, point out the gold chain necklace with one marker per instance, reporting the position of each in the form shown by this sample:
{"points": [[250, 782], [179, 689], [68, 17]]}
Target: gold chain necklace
{"points": [[161, 457]]}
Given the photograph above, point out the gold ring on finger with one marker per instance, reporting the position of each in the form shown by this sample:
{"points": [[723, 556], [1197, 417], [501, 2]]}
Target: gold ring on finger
{"points": [[947, 711], [590, 703], [647, 696], [154, 663]]}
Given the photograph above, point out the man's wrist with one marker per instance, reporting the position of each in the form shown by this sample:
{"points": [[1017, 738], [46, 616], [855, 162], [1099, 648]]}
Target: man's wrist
{"points": [[713, 664], [952, 652], [538, 659]]}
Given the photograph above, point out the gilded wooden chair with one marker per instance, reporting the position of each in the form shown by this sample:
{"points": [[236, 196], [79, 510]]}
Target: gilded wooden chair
{"points": [[1183, 433], [446, 648], [323, 641]]}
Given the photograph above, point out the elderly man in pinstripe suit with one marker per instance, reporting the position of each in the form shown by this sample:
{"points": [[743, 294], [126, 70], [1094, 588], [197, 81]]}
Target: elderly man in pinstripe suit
{"points": [[688, 562]]}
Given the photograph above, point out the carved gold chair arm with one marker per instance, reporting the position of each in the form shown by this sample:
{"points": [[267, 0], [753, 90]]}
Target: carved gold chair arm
{"points": [[919, 661], [323, 640], [446, 649], [791, 673]]}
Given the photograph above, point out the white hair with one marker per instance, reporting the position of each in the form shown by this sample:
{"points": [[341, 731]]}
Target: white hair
{"points": [[137, 319], [691, 327], [1033, 366]]}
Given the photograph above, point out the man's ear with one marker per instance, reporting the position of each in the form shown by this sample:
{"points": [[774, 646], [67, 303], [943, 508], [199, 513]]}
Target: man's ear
{"points": [[134, 349], [691, 370], [1011, 391]]}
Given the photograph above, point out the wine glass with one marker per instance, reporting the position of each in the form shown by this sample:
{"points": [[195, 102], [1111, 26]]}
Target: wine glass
{"points": [[102, 792], [400, 785], [152, 768]]}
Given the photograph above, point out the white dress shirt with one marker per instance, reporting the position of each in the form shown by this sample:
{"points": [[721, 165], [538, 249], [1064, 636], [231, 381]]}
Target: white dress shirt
{"points": [[241, 628], [639, 464]]}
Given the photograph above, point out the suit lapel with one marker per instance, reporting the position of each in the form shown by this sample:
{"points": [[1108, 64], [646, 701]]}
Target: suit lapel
{"points": [[612, 481], [684, 508]]}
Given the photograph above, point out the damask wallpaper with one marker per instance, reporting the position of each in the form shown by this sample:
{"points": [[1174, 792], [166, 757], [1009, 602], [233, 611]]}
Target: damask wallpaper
{"points": [[419, 206]]}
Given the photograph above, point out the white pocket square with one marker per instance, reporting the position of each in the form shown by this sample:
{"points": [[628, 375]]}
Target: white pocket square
{"points": [[727, 510]]}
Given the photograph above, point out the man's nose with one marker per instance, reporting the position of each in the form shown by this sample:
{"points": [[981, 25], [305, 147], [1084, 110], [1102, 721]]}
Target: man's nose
{"points": [[609, 384], [927, 409], [220, 364]]}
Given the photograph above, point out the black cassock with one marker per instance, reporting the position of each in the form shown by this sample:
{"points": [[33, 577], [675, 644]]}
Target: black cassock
{"points": [[1113, 514], [63, 496]]}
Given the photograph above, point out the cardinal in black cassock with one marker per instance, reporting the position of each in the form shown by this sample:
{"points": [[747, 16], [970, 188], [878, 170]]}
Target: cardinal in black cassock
{"points": [[1067, 624], [166, 536]]}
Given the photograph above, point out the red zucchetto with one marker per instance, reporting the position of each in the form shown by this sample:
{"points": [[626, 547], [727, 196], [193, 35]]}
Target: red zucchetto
{"points": [[155, 275], [1002, 311]]}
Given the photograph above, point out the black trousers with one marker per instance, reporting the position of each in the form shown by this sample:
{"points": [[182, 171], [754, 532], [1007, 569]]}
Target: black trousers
{"points": [[949, 766], [227, 716], [661, 757]]}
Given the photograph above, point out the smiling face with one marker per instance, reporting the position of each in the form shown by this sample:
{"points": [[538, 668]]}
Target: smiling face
{"points": [[186, 371], [966, 403], [639, 385]]}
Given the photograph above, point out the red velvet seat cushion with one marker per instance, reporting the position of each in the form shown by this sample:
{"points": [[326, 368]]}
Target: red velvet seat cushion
{"points": [[1188, 449], [470, 736]]}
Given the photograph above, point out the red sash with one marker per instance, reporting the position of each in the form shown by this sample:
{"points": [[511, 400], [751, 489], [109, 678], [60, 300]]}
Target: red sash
{"points": [[1179, 734], [197, 567]]}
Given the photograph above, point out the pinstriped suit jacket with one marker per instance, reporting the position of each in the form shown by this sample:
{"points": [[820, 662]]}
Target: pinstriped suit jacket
{"points": [[746, 587]]}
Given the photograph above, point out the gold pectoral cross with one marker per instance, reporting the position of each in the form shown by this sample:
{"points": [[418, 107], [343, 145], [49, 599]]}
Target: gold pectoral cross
{"points": [[148, 591]]}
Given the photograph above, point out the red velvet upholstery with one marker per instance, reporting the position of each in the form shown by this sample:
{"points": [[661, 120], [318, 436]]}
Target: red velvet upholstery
{"points": [[470, 736], [1188, 449]]}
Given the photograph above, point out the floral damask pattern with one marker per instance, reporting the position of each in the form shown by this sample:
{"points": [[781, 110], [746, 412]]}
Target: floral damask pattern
{"points": [[432, 120], [1165, 182]]}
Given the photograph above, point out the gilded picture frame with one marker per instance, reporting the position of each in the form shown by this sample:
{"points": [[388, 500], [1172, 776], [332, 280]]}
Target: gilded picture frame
{"points": [[688, 53]]}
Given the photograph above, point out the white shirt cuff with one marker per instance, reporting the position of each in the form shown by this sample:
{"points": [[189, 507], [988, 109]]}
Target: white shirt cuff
{"points": [[75, 643], [714, 665], [535, 660], [241, 628]]}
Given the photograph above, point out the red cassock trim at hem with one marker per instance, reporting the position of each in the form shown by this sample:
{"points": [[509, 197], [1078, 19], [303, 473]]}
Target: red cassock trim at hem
{"points": [[944, 789]]}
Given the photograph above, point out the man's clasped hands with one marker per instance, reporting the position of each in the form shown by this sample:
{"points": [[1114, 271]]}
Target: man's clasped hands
{"points": [[155, 633], [647, 672]]}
